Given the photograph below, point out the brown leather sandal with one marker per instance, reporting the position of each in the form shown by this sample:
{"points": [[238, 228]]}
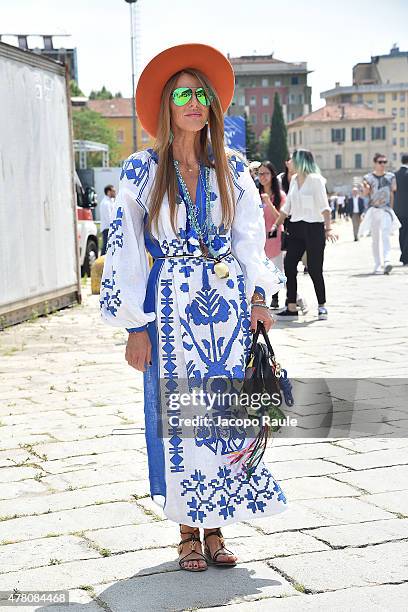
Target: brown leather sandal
{"points": [[194, 538], [213, 558]]}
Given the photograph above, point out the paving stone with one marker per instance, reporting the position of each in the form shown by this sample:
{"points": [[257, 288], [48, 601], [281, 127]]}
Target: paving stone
{"points": [[66, 521], [303, 467], [374, 598], [378, 480], [393, 502], [380, 458], [359, 534], [146, 593], [74, 499], [14, 474], [24, 555], [315, 487], [365, 445], [320, 512], [60, 450], [93, 571], [342, 569], [125, 459], [319, 450], [95, 476]]}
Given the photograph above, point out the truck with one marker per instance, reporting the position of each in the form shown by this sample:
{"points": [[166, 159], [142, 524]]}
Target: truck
{"points": [[86, 201], [39, 254]]}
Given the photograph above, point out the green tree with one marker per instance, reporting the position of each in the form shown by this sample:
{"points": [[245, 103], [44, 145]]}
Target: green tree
{"points": [[278, 147], [74, 89], [118, 94], [251, 144], [90, 125], [264, 144], [102, 94]]}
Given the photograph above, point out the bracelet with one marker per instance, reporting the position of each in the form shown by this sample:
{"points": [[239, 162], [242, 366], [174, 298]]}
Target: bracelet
{"points": [[260, 305]]}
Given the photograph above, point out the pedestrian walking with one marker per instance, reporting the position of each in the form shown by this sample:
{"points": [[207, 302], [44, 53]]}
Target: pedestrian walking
{"points": [[380, 220], [106, 208], [194, 206], [309, 228], [354, 209], [273, 197], [253, 169], [401, 207], [340, 203]]}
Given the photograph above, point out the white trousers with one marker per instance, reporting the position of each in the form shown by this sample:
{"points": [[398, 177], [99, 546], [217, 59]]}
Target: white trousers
{"points": [[381, 223]]}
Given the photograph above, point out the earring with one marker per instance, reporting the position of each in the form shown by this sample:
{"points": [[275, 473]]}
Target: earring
{"points": [[171, 137]]}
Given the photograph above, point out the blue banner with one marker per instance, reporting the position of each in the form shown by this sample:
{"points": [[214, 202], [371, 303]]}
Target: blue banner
{"points": [[234, 133]]}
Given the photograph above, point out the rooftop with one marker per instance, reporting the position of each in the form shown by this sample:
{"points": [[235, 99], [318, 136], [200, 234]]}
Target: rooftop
{"points": [[340, 112], [373, 88], [265, 64], [117, 107]]}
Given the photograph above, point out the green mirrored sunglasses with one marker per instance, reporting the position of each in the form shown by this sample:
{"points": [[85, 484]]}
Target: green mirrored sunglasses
{"points": [[183, 95]]}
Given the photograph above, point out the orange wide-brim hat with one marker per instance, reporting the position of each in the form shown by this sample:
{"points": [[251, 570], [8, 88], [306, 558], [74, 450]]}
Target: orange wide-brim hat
{"points": [[211, 62]]}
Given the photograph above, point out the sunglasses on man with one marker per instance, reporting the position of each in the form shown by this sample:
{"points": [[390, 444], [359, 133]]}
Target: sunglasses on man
{"points": [[382, 161], [182, 96]]}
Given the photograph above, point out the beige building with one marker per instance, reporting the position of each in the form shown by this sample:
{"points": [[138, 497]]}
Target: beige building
{"points": [[343, 139], [382, 85]]}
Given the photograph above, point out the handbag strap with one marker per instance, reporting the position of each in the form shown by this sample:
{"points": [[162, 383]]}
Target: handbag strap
{"points": [[261, 328]]}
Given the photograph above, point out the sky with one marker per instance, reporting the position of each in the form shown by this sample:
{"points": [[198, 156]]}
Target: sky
{"points": [[331, 36]]}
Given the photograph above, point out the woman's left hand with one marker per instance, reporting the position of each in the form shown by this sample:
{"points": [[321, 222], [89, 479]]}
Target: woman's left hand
{"points": [[331, 236], [261, 314]]}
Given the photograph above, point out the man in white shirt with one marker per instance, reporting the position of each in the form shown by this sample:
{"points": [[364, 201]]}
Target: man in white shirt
{"points": [[106, 214], [354, 209]]}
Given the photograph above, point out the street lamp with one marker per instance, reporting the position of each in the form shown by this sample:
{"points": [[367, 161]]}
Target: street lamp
{"points": [[132, 39]]}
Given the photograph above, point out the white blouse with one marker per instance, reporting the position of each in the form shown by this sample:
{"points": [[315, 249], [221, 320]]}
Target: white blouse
{"points": [[307, 202]]}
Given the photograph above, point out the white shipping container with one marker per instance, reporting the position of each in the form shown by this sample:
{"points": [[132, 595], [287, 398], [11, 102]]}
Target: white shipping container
{"points": [[39, 269]]}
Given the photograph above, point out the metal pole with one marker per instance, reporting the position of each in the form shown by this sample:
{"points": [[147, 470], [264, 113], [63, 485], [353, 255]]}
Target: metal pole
{"points": [[132, 40]]}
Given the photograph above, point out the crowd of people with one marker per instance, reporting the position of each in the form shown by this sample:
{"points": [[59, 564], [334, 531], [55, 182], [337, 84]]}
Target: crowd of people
{"points": [[298, 213]]}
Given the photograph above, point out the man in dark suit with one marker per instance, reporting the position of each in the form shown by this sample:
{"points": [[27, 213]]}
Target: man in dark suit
{"points": [[401, 207], [354, 209]]}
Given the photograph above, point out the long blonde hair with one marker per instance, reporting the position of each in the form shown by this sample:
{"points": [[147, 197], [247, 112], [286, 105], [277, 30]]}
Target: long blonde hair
{"points": [[166, 180]]}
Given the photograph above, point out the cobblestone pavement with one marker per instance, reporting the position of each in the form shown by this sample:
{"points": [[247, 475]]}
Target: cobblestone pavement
{"points": [[74, 507]]}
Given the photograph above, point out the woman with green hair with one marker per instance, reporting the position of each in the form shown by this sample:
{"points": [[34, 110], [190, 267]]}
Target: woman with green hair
{"points": [[309, 228]]}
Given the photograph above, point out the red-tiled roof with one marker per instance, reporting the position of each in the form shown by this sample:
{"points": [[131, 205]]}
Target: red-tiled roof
{"points": [[117, 107], [337, 112]]}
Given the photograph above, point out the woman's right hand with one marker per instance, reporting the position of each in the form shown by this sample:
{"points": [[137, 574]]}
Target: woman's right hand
{"points": [[139, 350]]}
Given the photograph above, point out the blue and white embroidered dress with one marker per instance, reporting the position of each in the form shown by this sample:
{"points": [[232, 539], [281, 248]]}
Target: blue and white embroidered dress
{"points": [[199, 328]]}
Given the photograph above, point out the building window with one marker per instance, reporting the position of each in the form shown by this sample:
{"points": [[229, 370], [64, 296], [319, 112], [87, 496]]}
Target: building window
{"points": [[394, 112], [402, 96], [378, 133], [402, 127], [292, 98], [360, 99], [402, 112], [357, 134], [120, 136], [294, 139], [292, 116], [265, 100], [145, 137], [290, 138], [370, 103], [338, 135], [252, 101], [242, 100], [394, 96], [394, 127], [278, 83], [394, 142], [266, 118], [252, 83], [381, 97], [394, 157], [300, 98], [381, 110], [265, 82], [337, 161], [253, 119], [358, 161], [402, 142], [294, 80]]}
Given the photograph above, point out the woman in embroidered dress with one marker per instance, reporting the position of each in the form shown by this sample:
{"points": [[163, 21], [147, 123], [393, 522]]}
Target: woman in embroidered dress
{"points": [[194, 207]]}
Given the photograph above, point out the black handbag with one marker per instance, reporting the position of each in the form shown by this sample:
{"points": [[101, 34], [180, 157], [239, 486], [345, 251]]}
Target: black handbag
{"points": [[265, 377]]}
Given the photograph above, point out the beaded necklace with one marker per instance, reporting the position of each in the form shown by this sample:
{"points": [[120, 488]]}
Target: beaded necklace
{"points": [[192, 209]]}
